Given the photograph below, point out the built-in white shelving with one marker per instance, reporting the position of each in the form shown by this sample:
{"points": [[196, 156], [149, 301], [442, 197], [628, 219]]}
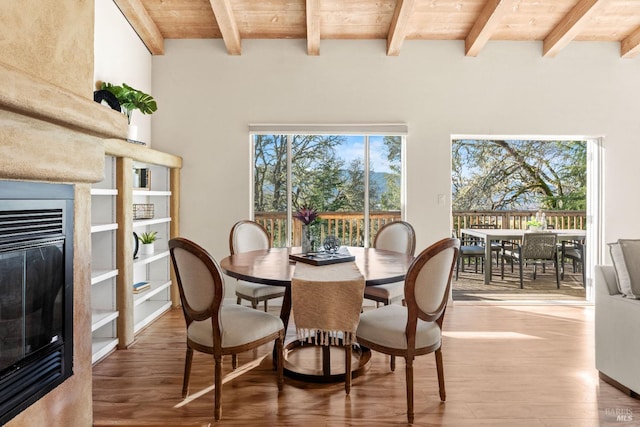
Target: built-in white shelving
{"points": [[118, 313], [104, 313]]}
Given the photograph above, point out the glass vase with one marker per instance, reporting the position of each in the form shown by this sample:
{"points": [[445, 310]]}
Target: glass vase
{"points": [[306, 239]]}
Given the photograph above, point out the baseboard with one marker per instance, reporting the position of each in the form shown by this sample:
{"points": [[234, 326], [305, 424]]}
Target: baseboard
{"points": [[616, 384]]}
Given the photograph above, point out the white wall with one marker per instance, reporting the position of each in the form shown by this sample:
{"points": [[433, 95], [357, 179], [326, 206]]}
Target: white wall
{"points": [[208, 98], [121, 57]]}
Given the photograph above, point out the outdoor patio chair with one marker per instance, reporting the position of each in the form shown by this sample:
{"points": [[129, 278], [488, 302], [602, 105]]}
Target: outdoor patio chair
{"points": [[469, 249], [573, 250], [248, 236], [536, 248], [397, 236], [496, 247]]}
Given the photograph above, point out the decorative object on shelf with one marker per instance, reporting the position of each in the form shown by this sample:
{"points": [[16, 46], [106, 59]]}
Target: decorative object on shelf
{"points": [[148, 240], [110, 99], [331, 244], [131, 99], [142, 178], [143, 210], [308, 216], [136, 245], [141, 287]]}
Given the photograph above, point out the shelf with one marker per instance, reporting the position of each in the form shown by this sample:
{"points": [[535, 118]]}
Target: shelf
{"points": [[156, 287], [146, 259], [145, 222], [98, 276], [99, 318], [104, 192], [148, 311], [151, 193], [100, 347], [103, 227]]}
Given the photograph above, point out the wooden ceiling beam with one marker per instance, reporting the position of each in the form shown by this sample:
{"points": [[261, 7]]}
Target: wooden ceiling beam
{"points": [[313, 27], [227, 25], [399, 26], [484, 27], [568, 27], [142, 24], [630, 46]]}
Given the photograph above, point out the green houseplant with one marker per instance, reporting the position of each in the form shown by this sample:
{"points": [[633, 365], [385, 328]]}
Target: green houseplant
{"points": [[148, 239], [131, 99]]}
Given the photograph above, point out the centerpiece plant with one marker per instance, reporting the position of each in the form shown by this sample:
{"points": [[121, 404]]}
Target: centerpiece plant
{"points": [[308, 216]]}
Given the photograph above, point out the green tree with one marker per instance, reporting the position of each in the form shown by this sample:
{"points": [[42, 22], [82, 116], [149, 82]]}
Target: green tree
{"points": [[501, 175], [390, 199]]}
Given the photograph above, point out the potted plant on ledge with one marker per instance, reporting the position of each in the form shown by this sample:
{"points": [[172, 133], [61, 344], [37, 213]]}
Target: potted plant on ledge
{"points": [[148, 239], [131, 99]]}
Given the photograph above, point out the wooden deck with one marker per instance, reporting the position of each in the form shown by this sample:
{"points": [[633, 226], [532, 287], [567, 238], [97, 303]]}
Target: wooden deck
{"points": [[470, 286], [504, 366]]}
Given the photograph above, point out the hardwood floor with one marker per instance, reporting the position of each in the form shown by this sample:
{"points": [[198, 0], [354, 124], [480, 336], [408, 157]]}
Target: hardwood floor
{"points": [[504, 366]]}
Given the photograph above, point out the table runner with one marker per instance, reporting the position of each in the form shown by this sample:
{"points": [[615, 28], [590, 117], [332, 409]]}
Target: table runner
{"points": [[327, 301]]}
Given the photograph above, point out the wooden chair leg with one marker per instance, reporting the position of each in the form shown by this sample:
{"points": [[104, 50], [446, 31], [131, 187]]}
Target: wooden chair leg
{"points": [[440, 368], [347, 368], [187, 372], [392, 363], [254, 304], [234, 361], [265, 306], [239, 301], [409, 380], [217, 411], [280, 362]]}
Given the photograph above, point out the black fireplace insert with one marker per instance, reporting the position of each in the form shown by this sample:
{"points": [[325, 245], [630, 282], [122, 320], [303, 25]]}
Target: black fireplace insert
{"points": [[36, 292]]}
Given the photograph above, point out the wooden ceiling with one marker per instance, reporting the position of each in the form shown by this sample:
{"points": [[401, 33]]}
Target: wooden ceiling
{"points": [[554, 22]]}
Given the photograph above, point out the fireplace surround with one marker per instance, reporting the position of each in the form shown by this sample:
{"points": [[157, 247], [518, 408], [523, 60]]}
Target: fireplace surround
{"points": [[36, 292]]}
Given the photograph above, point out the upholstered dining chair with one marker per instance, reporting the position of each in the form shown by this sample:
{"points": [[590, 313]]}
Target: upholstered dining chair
{"points": [[535, 248], [248, 236], [326, 302], [397, 236], [211, 327], [416, 329]]}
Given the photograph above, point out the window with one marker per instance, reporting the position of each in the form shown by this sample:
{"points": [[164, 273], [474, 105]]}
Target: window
{"points": [[354, 181]]}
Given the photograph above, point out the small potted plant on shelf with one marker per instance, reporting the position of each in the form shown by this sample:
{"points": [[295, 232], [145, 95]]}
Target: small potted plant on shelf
{"points": [[148, 239], [131, 99]]}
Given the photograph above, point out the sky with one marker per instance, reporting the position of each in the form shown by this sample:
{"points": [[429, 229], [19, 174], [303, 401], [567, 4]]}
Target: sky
{"points": [[353, 149]]}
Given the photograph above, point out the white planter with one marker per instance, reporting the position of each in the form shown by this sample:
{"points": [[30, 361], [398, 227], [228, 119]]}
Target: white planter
{"points": [[132, 133], [147, 248]]}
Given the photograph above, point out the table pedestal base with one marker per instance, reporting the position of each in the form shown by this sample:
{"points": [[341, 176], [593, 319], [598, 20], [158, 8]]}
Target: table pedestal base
{"points": [[321, 363]]}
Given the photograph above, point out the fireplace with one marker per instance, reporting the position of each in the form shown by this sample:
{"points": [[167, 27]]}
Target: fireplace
{"points": [[36, 292]]}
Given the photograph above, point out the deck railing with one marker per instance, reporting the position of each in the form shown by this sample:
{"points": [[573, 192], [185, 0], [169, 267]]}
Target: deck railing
{"points": [[349, 226], [560, 220]]}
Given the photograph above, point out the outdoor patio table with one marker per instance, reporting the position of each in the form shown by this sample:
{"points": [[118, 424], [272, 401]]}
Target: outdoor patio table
{"points": [[489, 235]]}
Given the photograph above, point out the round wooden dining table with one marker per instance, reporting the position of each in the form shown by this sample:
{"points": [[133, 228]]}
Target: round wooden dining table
{"points": [[273, 267]]}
